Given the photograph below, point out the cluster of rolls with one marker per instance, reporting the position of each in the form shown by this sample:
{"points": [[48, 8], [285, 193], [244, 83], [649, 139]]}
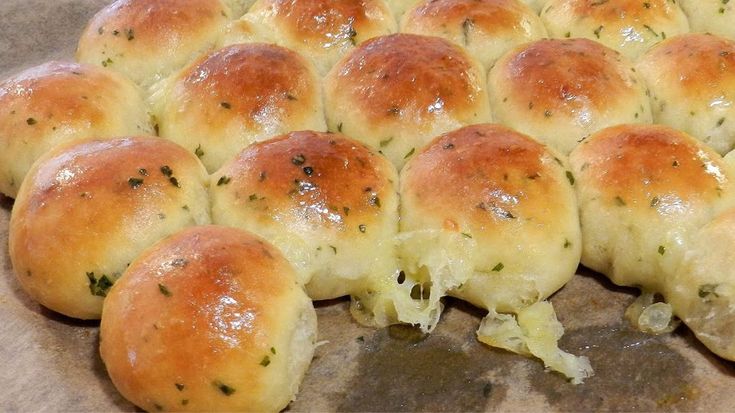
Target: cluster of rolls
{"points": [[347, 148]]}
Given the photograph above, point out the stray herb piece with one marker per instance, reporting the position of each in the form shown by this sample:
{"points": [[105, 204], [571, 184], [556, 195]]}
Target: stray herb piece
{"points": [[567, 243], [499, 267], [333, 248], [225, 389], [466, 235], [619, 201], [570, 177], [226, 105], [253, 197], [162, 288], [223, 180], [375, 201], [143, 172], [31, 121], [99, 287], [654, 201], [705, 290], [661, 250], [266, 361], [360, 339], [273, 350], [130, 34], [135, 182], [308, 170], [167, 171], [346, 210], [362, 228], [386, 142], [174, 182], [198, 151], [410, 153], [298, 160], [179, 386]]}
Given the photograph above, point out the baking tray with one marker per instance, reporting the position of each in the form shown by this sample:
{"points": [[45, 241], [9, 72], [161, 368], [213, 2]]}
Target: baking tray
{"points": [[51, 362]]}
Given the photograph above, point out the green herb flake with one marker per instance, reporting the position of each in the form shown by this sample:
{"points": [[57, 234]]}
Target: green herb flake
{"points": [[466, 235], [409, 153], [570, 177], [99, 287], [567, 243], [346, 210], [265, 361], [720, 122], [333, 249], [298, 160], [179, 386], [597, 31], [661, 250], [273, 350], [253, 197], [143, 172], [198, 151], [654, 201], [223, 180], [31, 121], [499, 267], [619, 201], [705, 290], [362, 228], [167, 171], [386, 142], [360, 339], [130, 34], [226, 105], [165, 291], [135, 182], [375, 201], [174, 182], [225, 389]]}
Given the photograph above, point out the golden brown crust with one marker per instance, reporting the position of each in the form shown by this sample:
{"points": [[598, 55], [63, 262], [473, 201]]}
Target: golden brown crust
{"points": [[701, 66], [615, 11], [323, 23], [489, 16], [161, 24], [406, 76], [567, 76], [487, 173], [259, 83], [324, 178], [189, 308], [645, 164]]}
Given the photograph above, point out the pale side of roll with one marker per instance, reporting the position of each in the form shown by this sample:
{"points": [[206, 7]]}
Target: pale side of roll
{"points": [[59, 102], [211, 318], [710, 16], [88, 208]]}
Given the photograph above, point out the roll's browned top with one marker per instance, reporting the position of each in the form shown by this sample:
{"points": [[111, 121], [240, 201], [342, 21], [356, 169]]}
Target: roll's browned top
{"points": [[406, 76], [323, 178], [700, 66], [648, 164], [612, 12], [490, 16], [257, 82], [487, 173], [570, 76]]}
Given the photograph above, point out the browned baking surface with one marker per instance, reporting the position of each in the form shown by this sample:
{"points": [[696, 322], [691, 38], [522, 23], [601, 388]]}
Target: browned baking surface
{"points": [[51, 362]]}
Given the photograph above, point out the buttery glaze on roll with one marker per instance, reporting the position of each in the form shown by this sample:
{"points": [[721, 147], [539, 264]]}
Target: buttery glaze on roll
{"points": [[396, 92], [489, 215], [88, 208], [486, 28], [58, 102], [235, 96], [710, 16], [146, 40], [644, 191], [321, 30], [561, 91], [210, 319], [328, 202], [692, 86], [628, 26]]}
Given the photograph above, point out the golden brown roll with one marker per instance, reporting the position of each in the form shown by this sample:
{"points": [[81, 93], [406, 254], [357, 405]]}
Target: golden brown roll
{"points": [[88, 208], [692, 86], [235, 96], [328, 202], [628, 26], [644, 191], [147, 40], [489, 215], [710, 16], [486, 28], [58, 102], [396, 92], [561, 91], [702, 291], [210, 319], [321, 30]]}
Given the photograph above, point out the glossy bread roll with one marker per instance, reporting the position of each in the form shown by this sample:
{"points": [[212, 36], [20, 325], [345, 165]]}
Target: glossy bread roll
{"points": [[561, 91], [57, 102], [644, 191], [489, 216], [238, 95], [692, 83], [88, 208], [395, 93], [321, 30], [710, 16], [486, 28], [210, 319], [628, 26], [147, 40], [328, 202]]}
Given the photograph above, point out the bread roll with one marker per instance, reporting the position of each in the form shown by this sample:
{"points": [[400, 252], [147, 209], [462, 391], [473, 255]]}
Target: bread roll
{"points": [[146, 40], [628, 26], [321, 30], [58, 102], [535, 5], [489, 215], [235, 96], [486, 28], [561, 91], [710, 16], [397, 92], [88, 208], [702, 290], [692, 86], [328, 202], [644, 190], [210, 319]]}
